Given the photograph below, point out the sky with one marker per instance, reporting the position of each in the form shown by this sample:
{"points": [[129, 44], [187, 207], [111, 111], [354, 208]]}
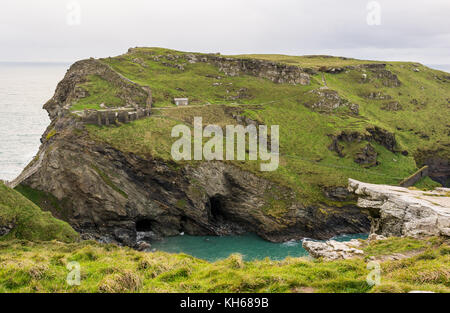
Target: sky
{"points": [[66, 31]]}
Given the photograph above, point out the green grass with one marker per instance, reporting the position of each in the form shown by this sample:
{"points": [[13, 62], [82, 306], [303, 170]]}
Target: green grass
{"points": [[306, 164], [42, 199], [394, 245], [426, 183], [31, 223], [41, 267], [51, 133], [151, 137], [99, 91]]}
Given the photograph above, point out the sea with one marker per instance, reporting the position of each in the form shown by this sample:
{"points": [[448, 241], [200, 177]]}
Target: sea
{"points": [[24, 88]]}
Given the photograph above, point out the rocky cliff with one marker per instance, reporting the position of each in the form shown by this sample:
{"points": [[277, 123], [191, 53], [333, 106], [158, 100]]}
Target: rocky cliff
{"points": [[119, 183], [397, 211], [111, 195]]}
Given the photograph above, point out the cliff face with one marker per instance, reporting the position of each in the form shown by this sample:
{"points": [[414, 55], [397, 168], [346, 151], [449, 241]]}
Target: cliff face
{"points": [[117, 181], [69, 91], [110, 195], [397, 211]]}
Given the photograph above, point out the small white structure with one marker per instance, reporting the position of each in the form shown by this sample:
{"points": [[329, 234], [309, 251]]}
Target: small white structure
{"points": [[181, 101]]}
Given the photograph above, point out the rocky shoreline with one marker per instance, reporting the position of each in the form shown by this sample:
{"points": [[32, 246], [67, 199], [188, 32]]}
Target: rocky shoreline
{"points": [[395, 212], [398, 211]]}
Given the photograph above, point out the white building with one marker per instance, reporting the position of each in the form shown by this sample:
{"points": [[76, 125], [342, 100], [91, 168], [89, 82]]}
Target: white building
{"points": [[181, 101]]}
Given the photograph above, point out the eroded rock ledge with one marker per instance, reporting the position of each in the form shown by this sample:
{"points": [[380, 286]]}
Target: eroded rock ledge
{"points": [[397, 211], [333, 250], [276, 72]]}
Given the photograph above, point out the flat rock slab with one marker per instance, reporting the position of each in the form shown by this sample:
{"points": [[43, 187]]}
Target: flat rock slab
{"points": [[332, 250], [403, 211]]}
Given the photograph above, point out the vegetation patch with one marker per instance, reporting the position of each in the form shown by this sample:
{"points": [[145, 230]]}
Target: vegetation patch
{"points": [[29, 221], [41, 267], [98, 91]]}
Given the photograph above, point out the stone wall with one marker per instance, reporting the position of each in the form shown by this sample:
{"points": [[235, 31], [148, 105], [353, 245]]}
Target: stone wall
{"points": [[113, 117], [414, 178]]}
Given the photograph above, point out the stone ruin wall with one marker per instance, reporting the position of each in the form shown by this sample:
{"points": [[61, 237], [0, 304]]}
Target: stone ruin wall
{"points": [[113, 117], [414, 178]]}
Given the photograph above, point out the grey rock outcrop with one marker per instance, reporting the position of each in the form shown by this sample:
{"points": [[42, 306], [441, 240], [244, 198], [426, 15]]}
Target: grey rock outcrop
{"points": [[398, 211], [332, 250], [371, 134], [276, 72], [392, 106], [367, 156], [6, 229], [114, 195], [327, 100]]}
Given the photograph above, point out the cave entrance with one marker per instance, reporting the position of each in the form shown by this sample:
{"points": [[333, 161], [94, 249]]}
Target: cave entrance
{"points": [[217, 209], [144, 225]]}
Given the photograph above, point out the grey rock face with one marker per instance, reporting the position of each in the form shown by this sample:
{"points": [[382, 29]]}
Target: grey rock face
{"points": [[392, 106], [373, 134], [276, 72], [148, 195], [5, 229], [110, 195], [327, 100], [367, 156], [143, 246], [398, 211]]}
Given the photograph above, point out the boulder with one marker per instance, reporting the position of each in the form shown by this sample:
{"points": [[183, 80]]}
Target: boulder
{"points": [[6, 229], [367, 156], [327, 101], [332, 250], [143, 246], [375, 237]]}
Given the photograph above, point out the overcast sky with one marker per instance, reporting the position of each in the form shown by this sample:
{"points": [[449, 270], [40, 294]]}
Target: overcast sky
{"points": [[65, 31]]}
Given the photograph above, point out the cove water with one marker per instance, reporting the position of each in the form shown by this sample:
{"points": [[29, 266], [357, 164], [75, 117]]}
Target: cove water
{"points": [[252, 247]]}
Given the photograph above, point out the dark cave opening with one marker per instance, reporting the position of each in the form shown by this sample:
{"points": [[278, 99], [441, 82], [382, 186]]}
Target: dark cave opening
{"points": [[217, 207], [144, 225]]}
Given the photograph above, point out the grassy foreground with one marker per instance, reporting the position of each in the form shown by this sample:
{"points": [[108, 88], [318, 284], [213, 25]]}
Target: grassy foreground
{"points": [[36, 255], [42, 267], [28, 221]]}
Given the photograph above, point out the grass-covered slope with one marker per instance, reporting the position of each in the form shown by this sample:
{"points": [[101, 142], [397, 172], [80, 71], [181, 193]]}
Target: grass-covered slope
{"points": [[407, 100], [25, 220], [31, 267]]}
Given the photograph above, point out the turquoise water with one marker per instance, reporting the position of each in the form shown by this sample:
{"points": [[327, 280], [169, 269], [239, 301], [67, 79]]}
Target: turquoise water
{"points": [[252, 247]]}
